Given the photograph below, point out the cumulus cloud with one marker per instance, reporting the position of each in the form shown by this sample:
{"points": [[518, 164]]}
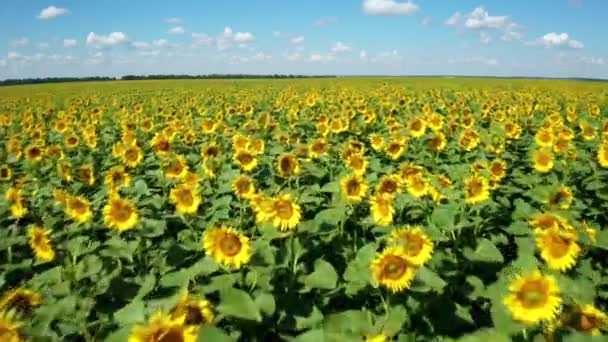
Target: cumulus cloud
{"points": [[454, 19], [21, 42], [479, 20], [229, 38], [201, 39], [389, 7], [557, 40], [243, 37], [173, 21], [103, 41], [340, 47], [70, 43], [177, 30], [52, 12]]}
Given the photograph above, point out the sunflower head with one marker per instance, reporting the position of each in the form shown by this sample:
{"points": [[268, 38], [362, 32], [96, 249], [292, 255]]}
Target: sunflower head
{"points": [[40, 243], [186, 199], [284, 212], [558, 248], [162, 327], [357, 164], [392, 269], [227, 246], [86, 174], [318, 148], [437, 142], [415, 244], [132, 156], [243, 186], [476, 189], [6, 173], [247, 161], [175, 167], [197, 311], [288, 165], [388, 185], [417, 185], [416, 127], [497, 169], [533, 298], [588, 319], [120, 214], [21, 300], [542, 160], [34, 153], [78, 209], [10, 327], [382, 209], [562, 198], [354, 188]]}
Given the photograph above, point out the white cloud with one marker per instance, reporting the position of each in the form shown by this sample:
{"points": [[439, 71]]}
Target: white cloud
{"points": [[426, 21], [70, 43], [12, 55], [389, 7], [101, 41], [202, 39], [363, 55], [3, 63], [387, 57], [455, 19], [475, 60], [173, 20], [320, 58], [43, 46], [177, 30], [339, 47], [229, 38], [21, 42], [243, 37], [484, 38], [325, 21], [52, 12], [553, 39], [481, 21], [297, 40]]}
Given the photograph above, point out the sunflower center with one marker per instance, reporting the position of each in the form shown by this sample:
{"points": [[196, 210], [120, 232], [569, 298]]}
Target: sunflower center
{"points": [[394, 148], [412, 244], [230, 245], [162, 145], [211, 152], [353, 187], [72, 141], [121, 212], [533, 294], [393, 267], [546, 222], [416, 125], [436, 142], [193, 316], [243, 185], [317, 147], [131, 154], [283, 209], [35, 152], [388, 186], [185, 197], [173, 335], [474, 188], [558, 245], [21, 304], [78, 206], [356, 163], [176, 167], [287, 164], [245, 158], [587, 322], [543, 159], [4, 173], [496, 169]]}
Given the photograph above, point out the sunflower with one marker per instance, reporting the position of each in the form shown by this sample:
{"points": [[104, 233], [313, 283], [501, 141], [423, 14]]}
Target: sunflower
{"points": [[160, 144], [559, 249], [497, 169], [163, 328], [357, 164], [376, 338], [239, 142], [437, 142], [209, 126], [191, 179], [549, 221], [382, 209], [377, 142], [197, 311], [394, 149], [544, 137], [542, 160], [476, 189], [40, 243], [10, 328], [34, 153], [6, 173], [132, 156], [533, 298], [87, 176], [245, 160], [185, 198], [417, 185], [588, 319], [288, 165], [602, 155], [18, 208], [392, 269], [78, 209], [22, 300], [468, 140], [227, 246], [318, 148], [120, 214], [243, 186], [587, 131], [354, 188], [176, 167], [71, 141], [415, 244], [284, 212], [256, 146], [435, 121], [416, 127], [389, 185], [562, 198], [210, 151], [117, 177]]}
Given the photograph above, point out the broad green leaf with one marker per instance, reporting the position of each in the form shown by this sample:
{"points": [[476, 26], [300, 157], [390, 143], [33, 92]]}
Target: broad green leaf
{"points": [[147, 286], [211, 333], [133, 312], [316, 335], [238, 303], [397, 316], [265, 303], [324, 276], [311, 321], [430, 278], [486, 251]]}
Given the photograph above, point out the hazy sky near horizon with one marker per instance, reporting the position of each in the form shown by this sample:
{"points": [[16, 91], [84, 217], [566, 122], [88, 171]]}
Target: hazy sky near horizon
{"points": [[554, 38]]}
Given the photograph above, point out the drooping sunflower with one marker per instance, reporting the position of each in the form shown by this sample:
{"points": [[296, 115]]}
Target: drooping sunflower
{"points": [[288, 165], [354, 188], [10, 328], [227, 246], [392, 269], [132, 156], [247, 161], [175, 167], [6, 173], [476, 189], [186, 199], [562, 198], [243, 186], [469, 139], [417, 185], [197, 310], [256, 146], [382, 209], [285, 213], [86, 174], [542, 160], [559, 249], [162, 328], [41, 244], [533, 298], [415, 244], [120, 214], [78, 209], [22, 300], [191, 179], [589, 320]]}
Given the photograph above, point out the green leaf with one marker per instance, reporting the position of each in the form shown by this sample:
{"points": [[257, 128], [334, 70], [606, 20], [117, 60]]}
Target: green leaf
{"points": [[211, 333], [133, 312], [323, 277], [313, 320], [430, 278], [119, 335], [153, 228], [444, 217], [332, 187], [485, 335], [265, 303], [238, 303], [486, 251], [464, 313], [141, 188], [602, 239], [147, 286], [90, 266], [316, 335], [395, 320], [331, 215]]}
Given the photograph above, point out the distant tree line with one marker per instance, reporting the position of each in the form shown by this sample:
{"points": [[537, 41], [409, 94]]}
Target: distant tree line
{"points": [[10, 82]]}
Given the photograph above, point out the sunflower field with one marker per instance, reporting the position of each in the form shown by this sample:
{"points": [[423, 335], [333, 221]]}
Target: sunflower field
{"points": [[304, 210]]}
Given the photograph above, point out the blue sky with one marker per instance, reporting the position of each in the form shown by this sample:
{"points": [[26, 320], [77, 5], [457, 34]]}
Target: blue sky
{"points": [[556, 38]]}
